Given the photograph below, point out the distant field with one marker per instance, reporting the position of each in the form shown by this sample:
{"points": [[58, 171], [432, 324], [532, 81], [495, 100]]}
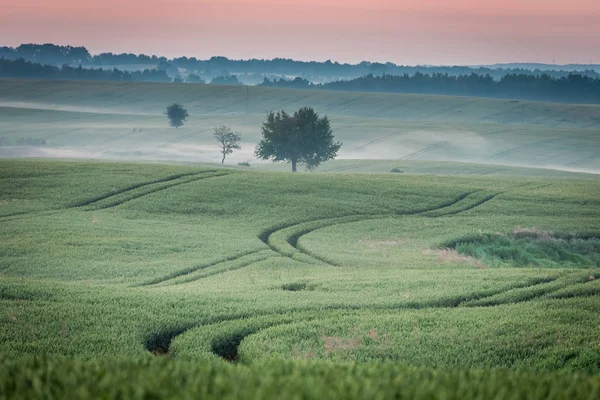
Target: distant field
{"points": [[215, 99], [111, 120], [160, 281]]}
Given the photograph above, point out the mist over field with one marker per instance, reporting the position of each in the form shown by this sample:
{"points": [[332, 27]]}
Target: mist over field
{"points": [[115, 121]]}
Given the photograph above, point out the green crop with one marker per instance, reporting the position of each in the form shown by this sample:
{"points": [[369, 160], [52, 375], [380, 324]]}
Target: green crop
{"points": [[155, 281]]}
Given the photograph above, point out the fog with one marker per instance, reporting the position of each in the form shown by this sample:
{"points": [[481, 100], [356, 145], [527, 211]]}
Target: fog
{"points": [[376, 130], [176, 153], [376, 158], [71, 108], [450, 145]]}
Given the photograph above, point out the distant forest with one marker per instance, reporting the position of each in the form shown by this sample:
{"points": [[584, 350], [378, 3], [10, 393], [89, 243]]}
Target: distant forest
{"points": [[76, 63], [316, 72], [29, 70], [573, 88]]}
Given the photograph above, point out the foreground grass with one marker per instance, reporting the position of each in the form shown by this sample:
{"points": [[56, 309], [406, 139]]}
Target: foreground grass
{"points": [[142, 379], [308, 284]]}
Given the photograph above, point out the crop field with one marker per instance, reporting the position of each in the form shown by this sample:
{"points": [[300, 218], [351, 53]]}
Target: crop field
{"points": [[133, 280], [452, 251], [126, 121]]}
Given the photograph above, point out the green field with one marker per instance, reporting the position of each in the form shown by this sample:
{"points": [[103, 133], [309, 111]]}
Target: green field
{"points": [[142, 268], [125, 121], [161, 281]]}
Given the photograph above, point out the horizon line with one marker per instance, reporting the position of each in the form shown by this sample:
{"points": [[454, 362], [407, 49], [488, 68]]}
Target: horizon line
{"points": [[229, 58]]}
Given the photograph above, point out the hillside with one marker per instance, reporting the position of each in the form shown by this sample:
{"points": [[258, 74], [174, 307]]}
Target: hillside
{"points": [[160, 281], [126, 121]]}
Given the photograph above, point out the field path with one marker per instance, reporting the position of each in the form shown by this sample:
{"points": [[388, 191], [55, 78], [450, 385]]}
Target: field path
{"points": [[232, 330], [285, 239], [199, 267], [145, 190]]}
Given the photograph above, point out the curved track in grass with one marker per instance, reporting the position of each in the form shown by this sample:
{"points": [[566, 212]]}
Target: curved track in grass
{"points": [[144, 190], [131, 192], [226, 345], [183, 273], [284, 240]]}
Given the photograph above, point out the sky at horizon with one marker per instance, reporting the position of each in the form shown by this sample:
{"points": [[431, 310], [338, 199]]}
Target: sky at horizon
{"points": [[438, 32]]}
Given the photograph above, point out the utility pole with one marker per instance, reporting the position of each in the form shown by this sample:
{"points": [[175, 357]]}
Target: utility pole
{"points": [[247, 97]]}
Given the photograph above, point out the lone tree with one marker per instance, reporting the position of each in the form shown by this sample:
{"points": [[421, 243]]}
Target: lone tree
{"points": [[228, 140], [302, 138], [177, 115]]}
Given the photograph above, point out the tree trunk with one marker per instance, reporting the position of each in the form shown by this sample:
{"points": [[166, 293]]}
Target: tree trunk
{"points": [[293, 165], [223, 159]]}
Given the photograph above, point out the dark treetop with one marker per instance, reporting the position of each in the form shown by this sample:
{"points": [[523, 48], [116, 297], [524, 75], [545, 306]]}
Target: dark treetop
{"points": [[302, 138]]}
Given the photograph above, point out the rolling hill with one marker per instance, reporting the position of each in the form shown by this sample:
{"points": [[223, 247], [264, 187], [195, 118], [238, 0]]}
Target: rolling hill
{"points": [[111, 120], [158, 281]]}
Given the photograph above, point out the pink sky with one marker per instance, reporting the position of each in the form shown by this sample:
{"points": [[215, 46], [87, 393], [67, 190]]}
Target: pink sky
{"points": [[405, 32]]}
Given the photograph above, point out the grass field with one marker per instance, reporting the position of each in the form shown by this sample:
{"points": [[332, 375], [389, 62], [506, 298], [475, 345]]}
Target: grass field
{"points": [[452, 251], [125, 121], [164, 281]]}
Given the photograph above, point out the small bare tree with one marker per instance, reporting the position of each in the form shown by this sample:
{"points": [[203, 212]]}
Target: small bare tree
{"points": [[228, 140]]}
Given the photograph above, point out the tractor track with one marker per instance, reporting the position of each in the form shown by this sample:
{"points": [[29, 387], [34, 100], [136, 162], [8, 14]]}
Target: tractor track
{"points": [[424, 150], [226, 346], [520, 148], [304, 228], [136, 186], [192, 277], [583, 160], [159, 189], [195, 268], [91, 203]]}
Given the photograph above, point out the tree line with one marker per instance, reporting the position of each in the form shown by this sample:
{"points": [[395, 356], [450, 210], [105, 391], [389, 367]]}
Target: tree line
{"points": [[23, 69], [317, 71], [573, 88], [29, 70]]}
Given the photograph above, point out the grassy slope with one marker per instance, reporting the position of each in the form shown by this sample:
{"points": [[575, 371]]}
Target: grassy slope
{"points": [[124, 120], [103, 260], [211, 99]]}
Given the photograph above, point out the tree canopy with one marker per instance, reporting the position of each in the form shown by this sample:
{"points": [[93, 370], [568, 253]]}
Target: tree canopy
{"points": [[225, 80], [303, 138], [177, 114], [194, 78]]}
